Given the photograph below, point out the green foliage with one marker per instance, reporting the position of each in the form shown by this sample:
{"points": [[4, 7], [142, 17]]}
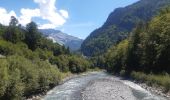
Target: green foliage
{"points": [[13, 21], [4, 77], [78, 64], [95, 45], [97, 62], [44, 54], [147, 50], [46, 44], [134, 50], [19, 77], [2, 30], [32, 35], [13, 33], [62, 62], [159, 39], [32, 63], [116, 56], [8, 48], [150, 79], [49, 77], [75, 64], [123, 73]]}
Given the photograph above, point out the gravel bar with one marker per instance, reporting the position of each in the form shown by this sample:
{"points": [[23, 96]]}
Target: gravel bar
{"points": [[107, 89]]}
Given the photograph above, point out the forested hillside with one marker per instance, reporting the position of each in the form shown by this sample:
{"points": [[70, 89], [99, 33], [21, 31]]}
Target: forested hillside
{"points": [[134, 42], [30, 63], [119, 24], [145, 55]]}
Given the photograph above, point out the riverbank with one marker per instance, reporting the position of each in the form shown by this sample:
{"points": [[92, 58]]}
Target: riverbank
{"points": [[65, 77], [98, 86], [158, 84], [116, 88], [154, 89]]}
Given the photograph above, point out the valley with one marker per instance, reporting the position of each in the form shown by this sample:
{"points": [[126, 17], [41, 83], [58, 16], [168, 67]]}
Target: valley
{"points": [[126, 58]]}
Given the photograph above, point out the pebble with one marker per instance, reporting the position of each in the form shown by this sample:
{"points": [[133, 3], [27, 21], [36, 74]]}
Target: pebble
{"points": [[111, 90], [156, 90]]}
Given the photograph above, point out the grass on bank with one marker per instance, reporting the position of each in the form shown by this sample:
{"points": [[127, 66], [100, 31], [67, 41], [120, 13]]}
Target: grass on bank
{"points": [[153, 80]]}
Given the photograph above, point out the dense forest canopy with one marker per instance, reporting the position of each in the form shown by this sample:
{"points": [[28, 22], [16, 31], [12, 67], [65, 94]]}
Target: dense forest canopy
{"points": [[147, 49]]}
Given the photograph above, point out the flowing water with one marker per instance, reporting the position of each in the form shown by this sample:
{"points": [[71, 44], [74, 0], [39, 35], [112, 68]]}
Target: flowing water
{"points": [[71, 90]]}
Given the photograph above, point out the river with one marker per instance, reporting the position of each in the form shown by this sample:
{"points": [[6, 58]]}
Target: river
{"points": [[75, 87]]}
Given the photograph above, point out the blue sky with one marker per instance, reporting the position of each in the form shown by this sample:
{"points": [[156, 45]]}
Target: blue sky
{"points": [[75, 17]]}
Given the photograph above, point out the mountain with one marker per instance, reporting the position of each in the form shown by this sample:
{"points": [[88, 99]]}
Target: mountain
{"points": [[119, 24], [72, 42]]}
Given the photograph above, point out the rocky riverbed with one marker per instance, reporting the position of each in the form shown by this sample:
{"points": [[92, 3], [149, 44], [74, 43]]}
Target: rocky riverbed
{"points": [[111, 90], [155, 89], [100, 86], [115, 88]]}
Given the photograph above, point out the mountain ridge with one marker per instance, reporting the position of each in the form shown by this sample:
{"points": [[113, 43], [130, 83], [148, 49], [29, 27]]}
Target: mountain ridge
{"points": [[58, 36], [119, 24]]}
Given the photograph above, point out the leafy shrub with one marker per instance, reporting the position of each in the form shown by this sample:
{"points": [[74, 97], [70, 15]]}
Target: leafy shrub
{"points": [[122, 73], [32, 65], [22, 77], [4, 77], [62, 62], [116, 56], [78, 64]]}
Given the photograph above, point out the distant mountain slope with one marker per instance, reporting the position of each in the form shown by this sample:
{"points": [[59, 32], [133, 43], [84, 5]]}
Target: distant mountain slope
{"points": [[72, 42], [119, 24]]}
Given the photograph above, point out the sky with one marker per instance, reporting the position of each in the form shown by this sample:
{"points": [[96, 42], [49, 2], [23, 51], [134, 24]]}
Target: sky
{"points": [[74, 17]]}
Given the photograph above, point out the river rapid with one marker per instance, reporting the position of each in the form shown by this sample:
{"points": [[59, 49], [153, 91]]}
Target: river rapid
{"points": [[99, 86]]}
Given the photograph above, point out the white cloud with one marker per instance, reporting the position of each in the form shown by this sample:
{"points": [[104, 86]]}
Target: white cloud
{"points": [[27, 15], [6, 16], [49, 12], [46, 11], [64, 13]]}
